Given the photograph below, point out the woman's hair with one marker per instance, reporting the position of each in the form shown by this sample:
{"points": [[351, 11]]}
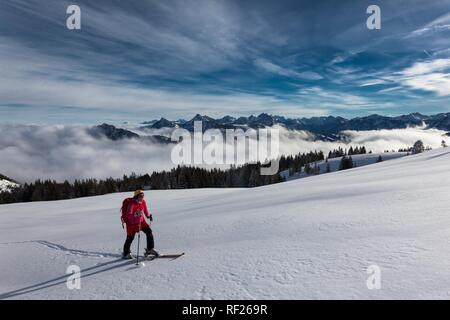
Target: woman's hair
{"points": [[137, 193]]}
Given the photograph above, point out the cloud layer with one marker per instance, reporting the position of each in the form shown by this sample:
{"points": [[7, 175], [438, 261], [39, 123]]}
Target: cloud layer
{"points": [[67, 152]]}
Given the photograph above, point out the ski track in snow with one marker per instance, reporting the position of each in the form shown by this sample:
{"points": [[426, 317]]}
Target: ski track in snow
{"points": [[308, 238]]}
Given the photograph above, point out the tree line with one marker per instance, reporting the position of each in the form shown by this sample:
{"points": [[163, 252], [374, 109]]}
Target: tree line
{"points": [[181, 177]]}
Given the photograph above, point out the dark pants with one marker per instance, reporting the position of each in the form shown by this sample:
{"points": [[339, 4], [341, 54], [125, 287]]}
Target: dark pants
{"points": [[129, 240]]}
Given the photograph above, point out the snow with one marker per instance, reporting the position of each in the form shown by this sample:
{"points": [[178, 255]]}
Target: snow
{"points": [[311, 238], [6, 185], [359, 160]]}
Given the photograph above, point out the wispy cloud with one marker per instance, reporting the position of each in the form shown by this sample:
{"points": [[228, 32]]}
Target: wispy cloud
{"points": [[181, 57], [276, 69], [373, 83], [439, 24], [431, 76], [86, 89], [338, 100], [390, 89]]}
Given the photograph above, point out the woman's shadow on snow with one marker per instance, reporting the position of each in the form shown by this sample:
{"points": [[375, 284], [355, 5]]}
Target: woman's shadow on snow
{"points": [[99, 268], [63, 279]]}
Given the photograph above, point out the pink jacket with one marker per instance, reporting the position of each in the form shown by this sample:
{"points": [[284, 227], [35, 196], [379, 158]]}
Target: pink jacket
{"points": [[134, 208]]}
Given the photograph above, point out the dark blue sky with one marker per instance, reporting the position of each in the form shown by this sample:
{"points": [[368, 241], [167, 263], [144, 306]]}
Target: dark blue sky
{"points": [[139, 60]]}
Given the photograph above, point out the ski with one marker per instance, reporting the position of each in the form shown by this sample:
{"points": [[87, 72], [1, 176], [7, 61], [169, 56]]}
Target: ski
{"points": [[166, 256]]}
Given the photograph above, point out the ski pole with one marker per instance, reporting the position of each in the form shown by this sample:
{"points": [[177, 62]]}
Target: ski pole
{"points": [[139, 240]]}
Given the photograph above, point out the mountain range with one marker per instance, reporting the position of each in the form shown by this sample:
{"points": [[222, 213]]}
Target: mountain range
{"points": [[113, 133], [323, 128], [327, 125]]}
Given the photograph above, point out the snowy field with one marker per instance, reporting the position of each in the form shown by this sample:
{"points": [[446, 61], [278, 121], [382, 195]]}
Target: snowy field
{"points": [[309, 238]]}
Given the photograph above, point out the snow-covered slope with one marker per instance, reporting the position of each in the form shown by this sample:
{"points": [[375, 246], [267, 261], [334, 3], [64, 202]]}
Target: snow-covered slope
{"points": [[307, 238], [6, 185], [359, 160]]}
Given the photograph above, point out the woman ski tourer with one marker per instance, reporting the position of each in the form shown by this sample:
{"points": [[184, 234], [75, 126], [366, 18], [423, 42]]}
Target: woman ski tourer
{"points": [[133, 211]]}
